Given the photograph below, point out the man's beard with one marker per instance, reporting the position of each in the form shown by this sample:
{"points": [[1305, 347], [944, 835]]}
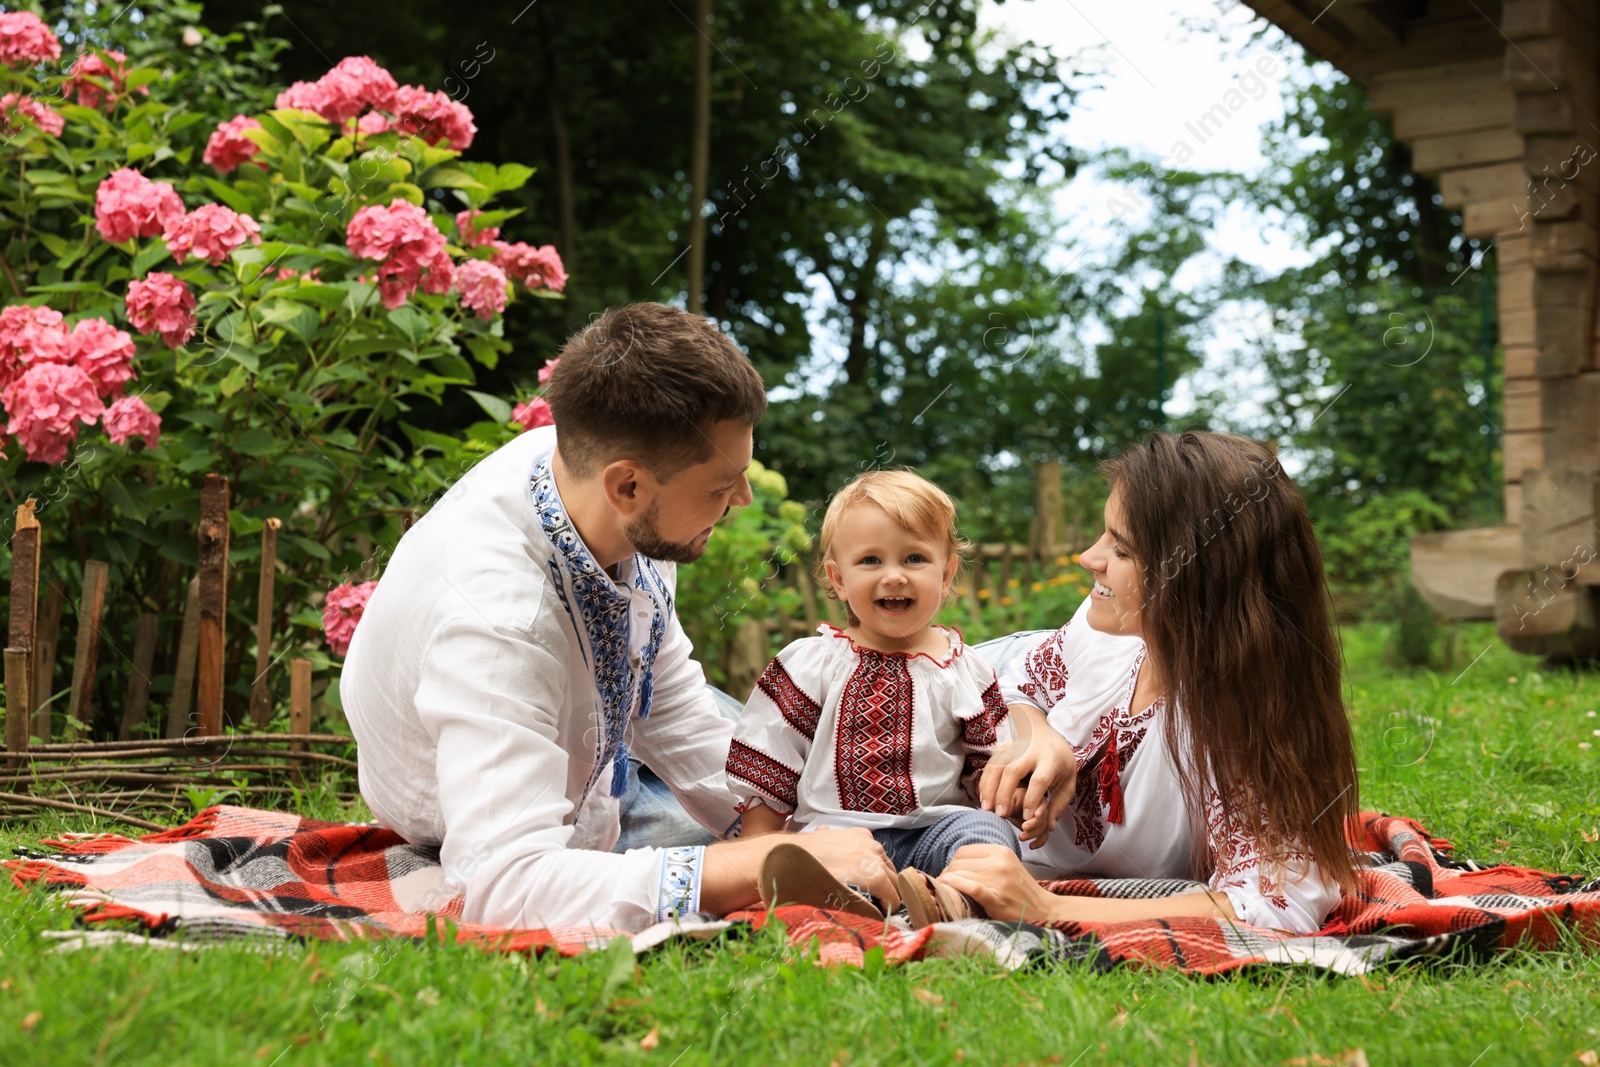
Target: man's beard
{"points": [[647, 540]]}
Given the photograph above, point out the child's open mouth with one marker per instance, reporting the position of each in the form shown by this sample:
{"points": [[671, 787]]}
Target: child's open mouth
{"points": [[894, 605]]}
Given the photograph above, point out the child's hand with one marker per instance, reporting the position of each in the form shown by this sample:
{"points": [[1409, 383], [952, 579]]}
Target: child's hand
{"points": [[1035, 830]]}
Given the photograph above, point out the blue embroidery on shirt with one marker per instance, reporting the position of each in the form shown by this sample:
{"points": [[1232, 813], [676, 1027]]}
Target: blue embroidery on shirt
{"points": [[602, 621]]}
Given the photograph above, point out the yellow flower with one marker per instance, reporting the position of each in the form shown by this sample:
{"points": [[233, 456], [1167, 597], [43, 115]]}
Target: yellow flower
{"points": [[960, 590], [1013, 584], [1060, 579], [1037, 587], [1062, 561], [1076, 556], [1005, 602], [983, 594]]}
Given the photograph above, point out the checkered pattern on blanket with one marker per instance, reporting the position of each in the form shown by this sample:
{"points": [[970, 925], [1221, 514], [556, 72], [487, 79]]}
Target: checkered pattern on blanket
{"points": [[242, 872]]}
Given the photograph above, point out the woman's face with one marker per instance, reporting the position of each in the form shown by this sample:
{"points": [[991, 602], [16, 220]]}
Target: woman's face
{"points": [[1118, 594]]}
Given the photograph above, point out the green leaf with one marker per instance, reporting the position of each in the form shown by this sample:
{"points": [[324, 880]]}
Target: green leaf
{"points": [[496, 408], [230, 196], [452, 178], [149, 257], [298, 319], [256, 441], [484, 350], [403, 191], [130, 506], [412, 323], [235, 381], [58, 246]]}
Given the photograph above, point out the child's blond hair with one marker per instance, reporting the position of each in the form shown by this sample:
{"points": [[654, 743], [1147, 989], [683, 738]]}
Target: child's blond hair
{"points": [[912, 501]]}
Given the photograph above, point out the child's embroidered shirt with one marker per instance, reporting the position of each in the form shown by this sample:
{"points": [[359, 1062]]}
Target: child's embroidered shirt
{"points": [[840, 735]]}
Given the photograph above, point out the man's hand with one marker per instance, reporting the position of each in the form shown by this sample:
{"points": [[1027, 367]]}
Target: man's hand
{"points": [[729, 877], [1045, 759]]}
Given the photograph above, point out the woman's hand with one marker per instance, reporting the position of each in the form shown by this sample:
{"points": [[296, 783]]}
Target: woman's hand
{"points": [[1045, 759], [994, 877]]}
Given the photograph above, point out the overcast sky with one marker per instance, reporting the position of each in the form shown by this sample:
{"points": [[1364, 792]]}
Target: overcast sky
{"points": [[1162, 65]]}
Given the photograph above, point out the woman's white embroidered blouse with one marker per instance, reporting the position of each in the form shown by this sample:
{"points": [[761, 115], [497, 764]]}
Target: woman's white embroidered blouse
{"points": [[1127, 817], [840, 735]]}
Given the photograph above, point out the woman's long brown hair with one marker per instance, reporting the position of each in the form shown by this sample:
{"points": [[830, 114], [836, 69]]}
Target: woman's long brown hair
{"points": [[1238, 621]]}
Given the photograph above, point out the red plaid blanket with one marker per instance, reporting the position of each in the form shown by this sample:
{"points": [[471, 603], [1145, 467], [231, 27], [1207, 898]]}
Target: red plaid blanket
{"points": [[234, 872]]}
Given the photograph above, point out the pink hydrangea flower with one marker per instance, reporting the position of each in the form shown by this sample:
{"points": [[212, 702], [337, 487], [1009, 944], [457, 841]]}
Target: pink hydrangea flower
{"points": [[90, 70], [548, 369], [341, 612], [14, 108], [129, 417], [46, 405], [404, 242], [482, 286], [354, 84], [210, 232], [434, 117], [29, 335], [229, 147], [162, 304], [129, 205], [373, 122], [25, 41], [471, 236], [307, 96], [535, 268], [535, 412], [103, 352]]}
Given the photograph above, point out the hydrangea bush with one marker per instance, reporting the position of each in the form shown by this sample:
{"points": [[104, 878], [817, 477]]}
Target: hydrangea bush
{"points": [[263, 295]]}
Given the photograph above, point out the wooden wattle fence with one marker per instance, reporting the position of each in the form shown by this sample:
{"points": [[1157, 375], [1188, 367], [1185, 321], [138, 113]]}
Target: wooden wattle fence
{"points": [[195, 752]]}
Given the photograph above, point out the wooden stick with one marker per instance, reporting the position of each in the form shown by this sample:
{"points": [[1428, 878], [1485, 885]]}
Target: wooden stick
{"points": [[183, 673], [24, 605], [44, 802], [44, 658], [300, 700], [16, 667], [196, 743], [144, 661], [91, 607], [260, 692], [213, 534]]}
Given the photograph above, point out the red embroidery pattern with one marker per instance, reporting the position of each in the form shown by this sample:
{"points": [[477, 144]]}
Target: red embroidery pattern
{"points": [[1236, 855], [1097, 800], [872, 754], [761, 771], [1046, 671], [982, 730], [974, 764], [799, 710]]}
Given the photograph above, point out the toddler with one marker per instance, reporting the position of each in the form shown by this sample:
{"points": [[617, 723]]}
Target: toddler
{"points": [[886, 724]]}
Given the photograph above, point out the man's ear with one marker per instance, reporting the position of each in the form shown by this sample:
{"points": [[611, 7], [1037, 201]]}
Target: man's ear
{"points": [[628, 486]]}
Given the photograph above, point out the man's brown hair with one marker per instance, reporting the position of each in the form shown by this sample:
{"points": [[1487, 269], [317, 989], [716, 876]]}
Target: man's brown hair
{"points": [[646, 381]]}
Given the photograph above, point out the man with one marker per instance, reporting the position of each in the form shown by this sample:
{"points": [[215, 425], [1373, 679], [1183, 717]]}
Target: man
{"points": [[523, 640]]}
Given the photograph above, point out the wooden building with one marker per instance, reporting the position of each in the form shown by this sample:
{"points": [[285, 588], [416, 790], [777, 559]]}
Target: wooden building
{"points": [[1499, 102]]}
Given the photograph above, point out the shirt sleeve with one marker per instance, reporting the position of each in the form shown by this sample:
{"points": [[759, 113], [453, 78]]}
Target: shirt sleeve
{"points": [[985, 720], [1038, 676], [1289, 895], [774, 734], [502, 779], [684, 739]]}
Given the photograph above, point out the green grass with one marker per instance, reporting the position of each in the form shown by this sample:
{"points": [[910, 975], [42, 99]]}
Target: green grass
{"points": [[1489, 759]]}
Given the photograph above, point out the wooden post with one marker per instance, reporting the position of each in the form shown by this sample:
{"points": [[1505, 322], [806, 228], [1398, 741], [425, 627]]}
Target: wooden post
{"points": [[1047, 513], [183, 673], [24, 605], [808, 595], [144, 661], [260, 691], [299, 700], [747, 658], [86, 658], [213, 535], [16, 667], [44, 659]]}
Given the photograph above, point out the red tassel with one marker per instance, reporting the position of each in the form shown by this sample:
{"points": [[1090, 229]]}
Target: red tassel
{"points": [[1111, 781]]}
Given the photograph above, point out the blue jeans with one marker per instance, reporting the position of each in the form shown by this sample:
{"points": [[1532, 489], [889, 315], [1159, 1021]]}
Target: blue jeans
{"points": [[930, 848]]}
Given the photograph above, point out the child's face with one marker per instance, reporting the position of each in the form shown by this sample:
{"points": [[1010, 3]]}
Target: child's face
{"points": [[894, 579]]}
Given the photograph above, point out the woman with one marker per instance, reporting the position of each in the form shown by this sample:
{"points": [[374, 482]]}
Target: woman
{"points": [[1199, 687]]}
